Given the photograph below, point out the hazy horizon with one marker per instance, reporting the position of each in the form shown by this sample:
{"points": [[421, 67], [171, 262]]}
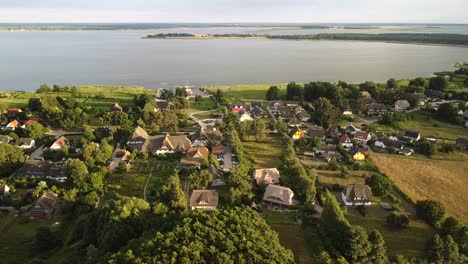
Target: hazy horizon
{"points": [[234, 11]]}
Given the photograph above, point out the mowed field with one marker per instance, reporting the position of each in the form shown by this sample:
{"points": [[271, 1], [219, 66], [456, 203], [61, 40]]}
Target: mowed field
{"points": [[443, 178]]}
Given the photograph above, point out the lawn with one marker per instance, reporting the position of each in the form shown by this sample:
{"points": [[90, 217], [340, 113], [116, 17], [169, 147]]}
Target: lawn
{"points": [[205, 105], [441, 178], [430, 127], [15, 246], [246, 92], [329, 178], [107, 95], [266, 154], [128, 184], [133, 183], [302, 241], [409, 242]]}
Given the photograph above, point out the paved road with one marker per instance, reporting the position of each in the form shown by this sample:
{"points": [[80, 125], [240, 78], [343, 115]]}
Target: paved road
{"points": [[227, 158], [58, 134], [37, 153], [200, 121]]}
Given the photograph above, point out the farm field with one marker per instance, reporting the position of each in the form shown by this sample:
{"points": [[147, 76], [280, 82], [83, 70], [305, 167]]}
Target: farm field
{"points": [[441, 178]]}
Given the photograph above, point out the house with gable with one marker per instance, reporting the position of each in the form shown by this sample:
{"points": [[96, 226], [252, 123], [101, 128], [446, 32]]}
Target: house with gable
{"points": [[357, 194], [25, 143], [266, 176], [204, 199], [362, 137], [46, 206], [296, 133], [278, 195], [345, 141], [401, 105], [60, 143]]}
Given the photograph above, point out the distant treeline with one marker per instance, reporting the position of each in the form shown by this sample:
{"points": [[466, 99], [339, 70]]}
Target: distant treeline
{"points": [[450, 39], [446, 39]]}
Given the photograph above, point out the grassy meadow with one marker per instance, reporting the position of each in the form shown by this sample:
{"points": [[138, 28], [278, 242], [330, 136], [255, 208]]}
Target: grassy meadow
{"points": [[246, 93]]}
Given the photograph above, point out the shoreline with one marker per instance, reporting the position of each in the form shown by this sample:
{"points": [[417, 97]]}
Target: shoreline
{"points": [[268, 37]]}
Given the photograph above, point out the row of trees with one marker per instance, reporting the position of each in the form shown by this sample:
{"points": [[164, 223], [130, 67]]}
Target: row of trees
{"points": [[301, 181], [350, 242]]}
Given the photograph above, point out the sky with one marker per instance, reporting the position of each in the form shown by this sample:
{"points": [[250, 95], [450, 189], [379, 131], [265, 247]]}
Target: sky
{"points": [[287, 11]]}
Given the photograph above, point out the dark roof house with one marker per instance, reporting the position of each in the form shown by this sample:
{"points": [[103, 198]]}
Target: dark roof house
{"points": [[357, 194]]}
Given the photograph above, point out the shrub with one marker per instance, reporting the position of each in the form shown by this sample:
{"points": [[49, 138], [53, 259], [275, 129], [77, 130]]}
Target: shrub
{"points": [[398, 220], [430, 211]]}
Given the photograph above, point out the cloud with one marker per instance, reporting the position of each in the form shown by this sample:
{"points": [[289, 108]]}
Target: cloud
{"points": [[403, 11]]}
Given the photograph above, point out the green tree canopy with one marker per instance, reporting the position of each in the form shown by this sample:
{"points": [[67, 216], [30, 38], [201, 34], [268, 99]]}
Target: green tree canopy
{"points": [[237, 235]]}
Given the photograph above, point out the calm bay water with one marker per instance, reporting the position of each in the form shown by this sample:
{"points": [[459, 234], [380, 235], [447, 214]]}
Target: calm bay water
{"points": [[121, 57]]}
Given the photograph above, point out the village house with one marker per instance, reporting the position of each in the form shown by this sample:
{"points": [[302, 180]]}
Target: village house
{"points": [[389, 143], [291, 104], [237, 107], [294, 122], [412, 136], [59, 143], [303, 116], [12, 112], [119, 155], [278, 195], [326, 148], [273, 106], [4, 189], [30, 121], [266, 176], [198, 152], [462, 143], [139, 140], [351, 129], [46, 206], [204, 199], [333, 130], [286, 112], [25, 143], [43, 169], [218, 150], [366, 94], [362, 137], [317, 133], [354, 195], [189, 163], [376, 109], [421, 98], [357, 153], [345, 141], [161, 105], [12, 125], [331, 156], [244, 116], [4, 139], [405, 151], [258, 112], [206, 136], [401, 105], [171, 144], [348, 113], [296, 133], [117, 108], [255, 104]]}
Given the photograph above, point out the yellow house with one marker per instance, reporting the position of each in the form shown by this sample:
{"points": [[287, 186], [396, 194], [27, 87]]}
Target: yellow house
{"points": [[357, 154], [296, 133]]}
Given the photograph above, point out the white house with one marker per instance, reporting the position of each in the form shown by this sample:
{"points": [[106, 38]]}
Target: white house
{"points": [[4, 189], [59, 143], [362, 137], [244, 116], [26, 143]]}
